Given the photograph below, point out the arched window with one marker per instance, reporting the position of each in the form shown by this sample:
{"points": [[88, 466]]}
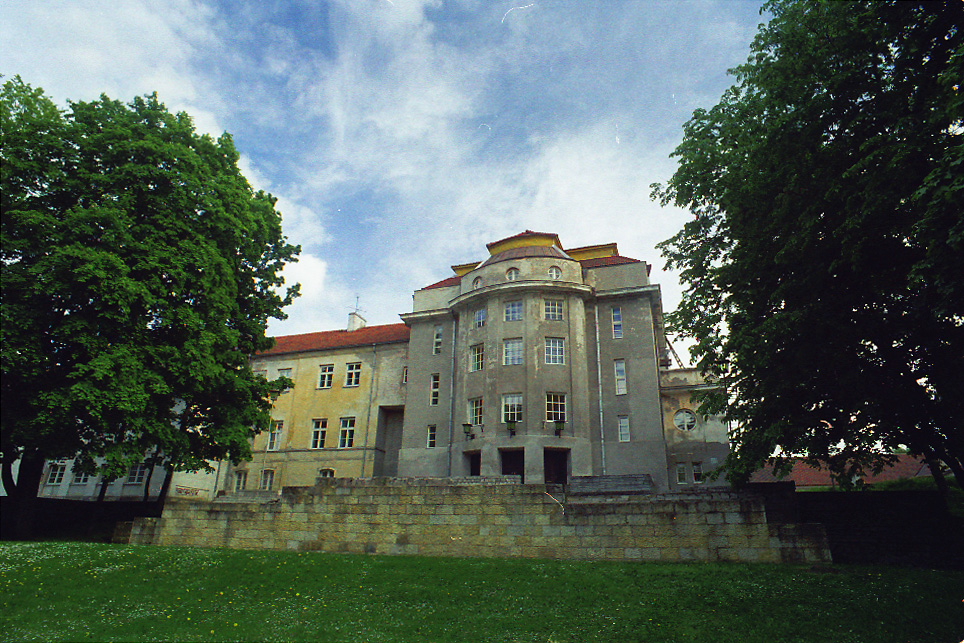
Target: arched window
{"points": [[512, 274]]}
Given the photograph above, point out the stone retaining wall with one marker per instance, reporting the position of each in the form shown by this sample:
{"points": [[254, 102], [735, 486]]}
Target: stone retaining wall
{"points": [[442, 518]]}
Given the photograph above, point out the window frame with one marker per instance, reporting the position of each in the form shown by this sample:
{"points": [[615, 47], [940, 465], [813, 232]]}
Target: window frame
{"points": [[687, 427], [513, 311], [79, 477], [273, 439], [346, 433], [476, 411], [508, 357], [476, 357], [240, 480], [555, 351], [319, 429], [435, 389], [555, 273], [266, 480], [512, 274], [697, 467], [353, 372], [617, 318], [554, 309], [556, 407], [620, 376], [326, 375], [56, 473], [622, 428], [137, 473], [512, 407], [431, 436], [681, 473], [437, 340], [478, 318]]}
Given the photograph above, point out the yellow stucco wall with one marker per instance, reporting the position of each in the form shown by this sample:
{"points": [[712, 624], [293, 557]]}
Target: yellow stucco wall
{"points": [[294, 461]]}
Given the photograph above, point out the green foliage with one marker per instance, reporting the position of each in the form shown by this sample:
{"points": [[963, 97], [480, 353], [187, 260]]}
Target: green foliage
{"points": [[75, 591], [139, 272], [824, 263]]}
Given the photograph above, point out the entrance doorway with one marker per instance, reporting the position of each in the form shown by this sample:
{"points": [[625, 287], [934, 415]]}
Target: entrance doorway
{"points": [[556, 464], [513, 462], [474, 460]]}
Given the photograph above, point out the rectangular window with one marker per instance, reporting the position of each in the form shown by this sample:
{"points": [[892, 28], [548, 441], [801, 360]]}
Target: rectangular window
{"points": [[284, 372], [262, 374], [513, 311], [325, 375], [430, 438], [324, 473], [436, 389], [620, 368], [681, 473], [318, 430], [554, 309], [240, 480], [404, 375], [437, 342], [80, 477], [512, 407], [511, 351], [267, 479], [353, 375], [555, 407], [346, 437], [274, 435], [475, 411], [137, 473], [555, 350], [478, 318], [477, 357], [617, 322], [698, 472], [623, 428], [56, 473]]}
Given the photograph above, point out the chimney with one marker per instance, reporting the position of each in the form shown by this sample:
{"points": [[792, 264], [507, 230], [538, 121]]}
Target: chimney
{"points": [[355, 321]]}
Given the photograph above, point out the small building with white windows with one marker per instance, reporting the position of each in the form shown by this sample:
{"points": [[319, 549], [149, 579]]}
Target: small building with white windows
{"points": [[540, 361]]}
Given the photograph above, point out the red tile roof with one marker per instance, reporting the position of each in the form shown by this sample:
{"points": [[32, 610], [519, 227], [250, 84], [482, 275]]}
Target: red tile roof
{"points": [[330, 339], [445, 283], [906, 466]]}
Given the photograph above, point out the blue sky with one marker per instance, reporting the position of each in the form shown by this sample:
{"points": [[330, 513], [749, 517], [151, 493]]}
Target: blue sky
{"points": [[402, 135]]}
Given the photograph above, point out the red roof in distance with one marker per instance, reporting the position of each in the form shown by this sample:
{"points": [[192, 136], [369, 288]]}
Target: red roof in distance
{"points": [[331, 339], [906, 466]]}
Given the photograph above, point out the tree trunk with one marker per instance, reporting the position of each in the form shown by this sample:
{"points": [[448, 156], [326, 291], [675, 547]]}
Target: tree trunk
{"points": [[162, 496], [935, 466], [147, 481], [104, 483], [23, 493]]}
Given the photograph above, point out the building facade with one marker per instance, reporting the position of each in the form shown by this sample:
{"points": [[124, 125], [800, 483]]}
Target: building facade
{"points": [[538, 361]]}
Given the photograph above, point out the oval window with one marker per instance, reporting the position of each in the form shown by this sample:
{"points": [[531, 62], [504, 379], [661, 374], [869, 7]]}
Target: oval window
{"points": [[476, 283], [555, 273], [685, 420], [512, 274]]}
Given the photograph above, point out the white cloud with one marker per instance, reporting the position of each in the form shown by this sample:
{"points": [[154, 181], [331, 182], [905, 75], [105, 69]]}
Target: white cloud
{"points": [[320, 306]]}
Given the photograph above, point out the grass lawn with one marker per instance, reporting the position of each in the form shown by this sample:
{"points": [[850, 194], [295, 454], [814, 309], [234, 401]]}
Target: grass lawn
{"points": [[94, 592]]}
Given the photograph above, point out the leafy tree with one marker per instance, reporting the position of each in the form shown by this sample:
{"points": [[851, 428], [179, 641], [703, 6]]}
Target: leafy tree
{"points": [[139, 273], [823, 266]]}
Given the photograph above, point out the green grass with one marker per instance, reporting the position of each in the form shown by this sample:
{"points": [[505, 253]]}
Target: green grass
{"points": [[94, 592]]}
